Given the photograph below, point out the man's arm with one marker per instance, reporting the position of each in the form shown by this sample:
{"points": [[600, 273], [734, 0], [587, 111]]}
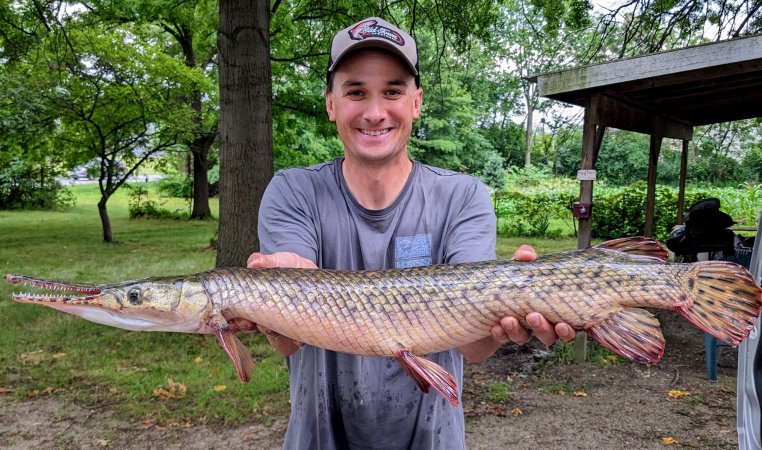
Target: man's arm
{"points": [[285, 233], [285, 345]]}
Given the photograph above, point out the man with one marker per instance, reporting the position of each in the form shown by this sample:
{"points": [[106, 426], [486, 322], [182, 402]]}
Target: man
{"points": [[376, 209]]}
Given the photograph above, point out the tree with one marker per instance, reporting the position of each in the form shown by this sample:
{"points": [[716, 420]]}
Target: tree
{"points": [[191, 28], [538, 37], [246, 161], [642, 26], [117, 102], [187, 30], [100, 93]]}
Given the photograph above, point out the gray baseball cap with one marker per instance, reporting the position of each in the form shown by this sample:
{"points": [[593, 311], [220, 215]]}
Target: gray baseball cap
{"points": [[374, 32]]}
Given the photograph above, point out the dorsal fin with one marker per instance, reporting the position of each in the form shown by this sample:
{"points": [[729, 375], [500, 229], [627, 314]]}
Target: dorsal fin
{"points": [[641, 248]]}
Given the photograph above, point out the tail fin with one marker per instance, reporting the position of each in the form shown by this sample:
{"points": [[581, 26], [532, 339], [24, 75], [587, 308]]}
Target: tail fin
{"points": [[639, 247], [726, 300]]}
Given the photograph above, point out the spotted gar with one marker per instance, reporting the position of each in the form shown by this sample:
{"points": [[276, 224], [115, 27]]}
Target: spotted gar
{"points": [[407, 313]]}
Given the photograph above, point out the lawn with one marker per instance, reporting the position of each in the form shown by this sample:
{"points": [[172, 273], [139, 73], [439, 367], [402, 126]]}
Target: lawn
{"points": [[160, 377]]}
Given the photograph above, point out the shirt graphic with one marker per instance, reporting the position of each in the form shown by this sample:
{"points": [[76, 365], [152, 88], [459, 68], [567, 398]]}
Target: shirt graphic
{"points": [[411, 251]]}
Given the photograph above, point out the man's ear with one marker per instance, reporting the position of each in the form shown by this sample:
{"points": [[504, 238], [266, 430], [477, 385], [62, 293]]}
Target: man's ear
{"points": [[329, 107], [417, 103]]}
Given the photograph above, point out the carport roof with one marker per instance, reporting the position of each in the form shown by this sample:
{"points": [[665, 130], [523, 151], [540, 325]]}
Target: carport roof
{"points": [[705, 84]]}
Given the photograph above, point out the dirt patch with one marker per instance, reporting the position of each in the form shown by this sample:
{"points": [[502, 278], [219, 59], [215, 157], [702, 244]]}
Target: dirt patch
{"points": [[622, 406], [514, 400]]}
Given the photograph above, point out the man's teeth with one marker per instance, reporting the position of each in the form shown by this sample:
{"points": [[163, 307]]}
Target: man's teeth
{"points": [[374, 132]]}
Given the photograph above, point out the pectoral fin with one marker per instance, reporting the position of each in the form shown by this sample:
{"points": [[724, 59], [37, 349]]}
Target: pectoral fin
{"points": [[633, 333], [428, 374], [235, 349]]}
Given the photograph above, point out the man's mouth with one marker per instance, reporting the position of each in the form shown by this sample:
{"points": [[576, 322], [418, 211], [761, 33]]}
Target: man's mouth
{"points": [[375, 132]]}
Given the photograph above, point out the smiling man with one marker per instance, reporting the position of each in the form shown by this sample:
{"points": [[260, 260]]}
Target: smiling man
{"points": [[375, 208]]}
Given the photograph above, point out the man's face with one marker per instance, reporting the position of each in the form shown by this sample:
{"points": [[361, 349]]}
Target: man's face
{"points": [[373, 102]]}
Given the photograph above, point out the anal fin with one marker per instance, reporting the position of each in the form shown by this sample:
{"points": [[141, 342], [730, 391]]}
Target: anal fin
{"points": [[428, 374], [633, 333], [233, 346]]}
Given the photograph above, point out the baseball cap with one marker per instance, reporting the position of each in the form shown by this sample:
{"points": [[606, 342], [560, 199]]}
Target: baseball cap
{"points": [[374, 32]]}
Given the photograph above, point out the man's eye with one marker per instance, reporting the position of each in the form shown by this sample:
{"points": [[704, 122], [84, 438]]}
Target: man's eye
{"points": [[354, 94], [393, 92]]}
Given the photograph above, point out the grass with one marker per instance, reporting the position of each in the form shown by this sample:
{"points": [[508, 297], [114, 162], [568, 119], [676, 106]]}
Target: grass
{"points": [[507, 245], [45, 352], [498, 392], [597, 354]]}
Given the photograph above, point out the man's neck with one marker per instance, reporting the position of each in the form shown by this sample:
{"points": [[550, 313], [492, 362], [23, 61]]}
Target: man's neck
{"points": [[376, 185]]}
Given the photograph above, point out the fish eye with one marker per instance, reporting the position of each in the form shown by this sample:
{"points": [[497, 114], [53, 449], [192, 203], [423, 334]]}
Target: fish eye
{"points": [[134, 296]]}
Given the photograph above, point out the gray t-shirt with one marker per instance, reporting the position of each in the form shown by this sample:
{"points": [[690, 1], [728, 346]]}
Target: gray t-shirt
{"points": [[344, 401]]}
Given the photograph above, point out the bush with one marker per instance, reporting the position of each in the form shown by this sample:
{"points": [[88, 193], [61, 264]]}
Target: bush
{"points": [[140, 207], [743, 204], [530, 213], [622, 212], [176, 185], [21, 189], [617, 212]]}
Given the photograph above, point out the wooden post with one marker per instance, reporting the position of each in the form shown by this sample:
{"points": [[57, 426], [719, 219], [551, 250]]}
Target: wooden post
{"points": [[653, 160], [592, 137], [681, 192]]}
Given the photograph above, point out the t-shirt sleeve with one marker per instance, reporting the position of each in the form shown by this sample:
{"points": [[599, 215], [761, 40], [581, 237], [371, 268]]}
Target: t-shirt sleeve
{"points": [[285, 220], [472, 233]]}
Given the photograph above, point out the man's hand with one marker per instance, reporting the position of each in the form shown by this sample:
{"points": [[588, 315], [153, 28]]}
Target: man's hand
{"points": [[510, 329], [285, 345], [279, 259]]}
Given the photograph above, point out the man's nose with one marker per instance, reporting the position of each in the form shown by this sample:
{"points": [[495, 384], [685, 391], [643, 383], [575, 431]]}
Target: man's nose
{"points": [[374, 111]]}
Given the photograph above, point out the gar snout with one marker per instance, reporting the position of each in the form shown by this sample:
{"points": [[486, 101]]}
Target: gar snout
{"points": [[69, 292]]}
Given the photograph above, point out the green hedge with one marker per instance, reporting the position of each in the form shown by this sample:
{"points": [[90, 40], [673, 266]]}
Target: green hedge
{"points": [[617, 211], [530, 213], [622, 211]]}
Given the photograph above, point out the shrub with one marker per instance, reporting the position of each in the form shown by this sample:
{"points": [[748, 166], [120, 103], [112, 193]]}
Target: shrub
{"points": [[530, 213], [141, 207], [20, 188], [176, 185], [622, 212]]}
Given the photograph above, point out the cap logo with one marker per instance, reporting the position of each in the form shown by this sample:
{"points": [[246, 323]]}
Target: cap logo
{"points": [[370, 28]]}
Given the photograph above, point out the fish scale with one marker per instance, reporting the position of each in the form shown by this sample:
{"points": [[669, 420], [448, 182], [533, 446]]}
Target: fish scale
{"points": [[407, 313]]}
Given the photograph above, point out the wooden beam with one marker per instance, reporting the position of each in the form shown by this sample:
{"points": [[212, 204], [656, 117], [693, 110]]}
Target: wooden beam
{"points": [[732, 52], [613, 112], [681, 191], [653, 161]]}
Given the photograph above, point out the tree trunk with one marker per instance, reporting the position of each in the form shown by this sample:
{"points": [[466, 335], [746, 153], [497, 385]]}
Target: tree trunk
{"points": [[199, 147], [246, 159], [200, 150], [105, 221]]}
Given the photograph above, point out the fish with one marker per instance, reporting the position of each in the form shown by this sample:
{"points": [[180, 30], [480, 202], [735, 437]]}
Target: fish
{"points": [[411, 312]]}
